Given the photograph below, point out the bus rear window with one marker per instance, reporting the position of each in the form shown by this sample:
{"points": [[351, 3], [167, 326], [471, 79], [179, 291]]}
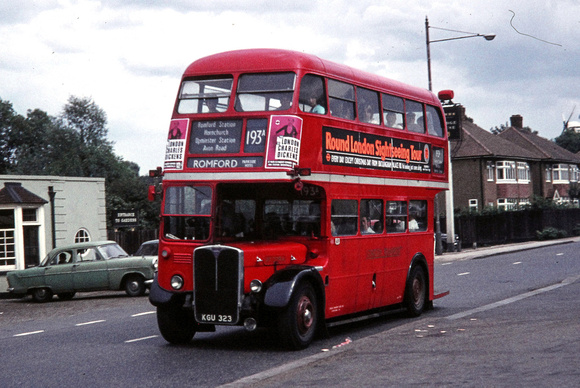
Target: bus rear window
{"points": [[265, 92], [205, 95]]}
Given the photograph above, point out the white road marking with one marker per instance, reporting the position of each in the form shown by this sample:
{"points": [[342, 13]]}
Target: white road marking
{"points": [[513, 299], [141, 339], [90, 323], [463, 273], [517, 262], [29, 333], [141, 314]]}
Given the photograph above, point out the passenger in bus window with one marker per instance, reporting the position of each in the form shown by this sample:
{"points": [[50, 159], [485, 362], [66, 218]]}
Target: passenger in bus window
{"points": [[365, 226], [285, 101], [391, 120], [211, 104], [368, 116], [316, 107], [411, 124], [413, 225]]}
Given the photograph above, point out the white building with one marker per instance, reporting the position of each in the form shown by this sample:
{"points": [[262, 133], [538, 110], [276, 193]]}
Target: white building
{"points": [[38, 213]]}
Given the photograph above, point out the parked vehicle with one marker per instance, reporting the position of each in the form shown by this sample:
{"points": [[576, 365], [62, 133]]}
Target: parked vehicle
{"points": [[149, 249], [89, 266]]}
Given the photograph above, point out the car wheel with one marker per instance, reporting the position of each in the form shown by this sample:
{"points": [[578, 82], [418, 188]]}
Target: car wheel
{"points": [[416, 292], [41, 295], [176, 325], [298, 323], [135, 285], [66, 295]]}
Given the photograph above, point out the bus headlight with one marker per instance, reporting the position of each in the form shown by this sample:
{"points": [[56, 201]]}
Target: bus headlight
{"points": [[176, 282], [255, 286]]}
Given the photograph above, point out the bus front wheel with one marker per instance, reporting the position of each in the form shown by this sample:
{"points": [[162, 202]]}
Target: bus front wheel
{"points": [[176, 325], [416, 292], [298, 322]]}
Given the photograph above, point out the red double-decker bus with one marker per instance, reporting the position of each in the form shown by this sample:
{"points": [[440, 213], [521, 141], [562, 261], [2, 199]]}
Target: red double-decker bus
{"points": [[296, 192]]}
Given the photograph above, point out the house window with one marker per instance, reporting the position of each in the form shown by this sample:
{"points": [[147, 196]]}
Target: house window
{"points": [[82, 236], [548, 174], [523, 172], [506, 203], [489, 172], [473, 205], [574, 173], [561, 173], [506, 171]]}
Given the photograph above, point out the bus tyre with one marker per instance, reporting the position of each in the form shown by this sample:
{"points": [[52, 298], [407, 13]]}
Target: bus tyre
{"points": [[298, 322], [42, 295], [135, 285], [416, 292], [175, 324]]}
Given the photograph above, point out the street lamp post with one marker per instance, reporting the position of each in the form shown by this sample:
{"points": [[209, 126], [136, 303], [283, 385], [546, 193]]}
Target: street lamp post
{"points": [[427, 27], [448, 194]]}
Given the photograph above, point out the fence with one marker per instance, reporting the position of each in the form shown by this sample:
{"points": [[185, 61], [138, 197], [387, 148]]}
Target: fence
{"points": [[513, 226]]}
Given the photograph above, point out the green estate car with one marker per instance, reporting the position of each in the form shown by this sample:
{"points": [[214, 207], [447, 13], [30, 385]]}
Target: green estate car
{"points": [[89, 266]]}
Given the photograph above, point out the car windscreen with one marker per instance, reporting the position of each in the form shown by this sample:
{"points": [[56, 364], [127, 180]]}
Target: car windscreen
{"points": [[112, 251]]}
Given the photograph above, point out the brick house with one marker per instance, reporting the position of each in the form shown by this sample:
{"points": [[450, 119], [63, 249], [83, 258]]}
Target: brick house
{"points": [[558, 168], [505, 171]]}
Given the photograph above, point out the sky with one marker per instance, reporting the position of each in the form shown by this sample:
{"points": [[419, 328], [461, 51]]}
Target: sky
{"points": [[129, 55]]}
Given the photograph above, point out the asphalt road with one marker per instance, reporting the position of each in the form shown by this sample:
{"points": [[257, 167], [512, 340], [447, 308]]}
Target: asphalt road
{"points": [[509, 320]]}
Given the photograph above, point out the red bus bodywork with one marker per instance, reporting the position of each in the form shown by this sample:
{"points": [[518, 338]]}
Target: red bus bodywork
{"points": [[244, 165]]}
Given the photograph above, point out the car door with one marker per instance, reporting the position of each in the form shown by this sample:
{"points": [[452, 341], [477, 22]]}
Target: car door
{"points": [[90, 272], [58, 272]]}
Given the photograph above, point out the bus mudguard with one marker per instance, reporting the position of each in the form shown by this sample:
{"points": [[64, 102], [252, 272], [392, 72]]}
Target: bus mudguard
{"points": [[280, 286], [157, 295]]}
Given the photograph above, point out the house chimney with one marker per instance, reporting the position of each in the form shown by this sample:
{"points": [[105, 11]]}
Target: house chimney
{"points": [[517, 121]]}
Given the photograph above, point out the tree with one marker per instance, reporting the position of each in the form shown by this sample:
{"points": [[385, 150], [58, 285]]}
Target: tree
{"points": [[73, 144], [84, 116], [569, 140]]}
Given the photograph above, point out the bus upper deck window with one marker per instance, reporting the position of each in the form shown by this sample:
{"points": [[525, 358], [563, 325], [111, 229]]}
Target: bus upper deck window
{"points": [[312, 96], [434, 121], [393, 111], [205, 95], [265, 92], [415, 117], [341, 99], [368, 106]]}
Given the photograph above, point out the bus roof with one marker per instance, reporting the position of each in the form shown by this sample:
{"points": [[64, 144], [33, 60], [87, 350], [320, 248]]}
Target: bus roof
{"points": [[273, 60]]}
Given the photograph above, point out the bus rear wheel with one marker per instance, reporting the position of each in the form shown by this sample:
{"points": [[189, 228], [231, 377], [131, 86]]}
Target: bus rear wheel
{"points": [[298, 323], [176, 325], [416, 292]]}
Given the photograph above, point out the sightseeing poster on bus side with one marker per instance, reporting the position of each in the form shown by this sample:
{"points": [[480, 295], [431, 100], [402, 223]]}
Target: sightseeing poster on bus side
{"points": [[357, 149]]}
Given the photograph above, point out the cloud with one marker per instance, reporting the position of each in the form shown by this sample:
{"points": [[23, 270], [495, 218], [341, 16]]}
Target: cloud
{"points": [[129, 55]]}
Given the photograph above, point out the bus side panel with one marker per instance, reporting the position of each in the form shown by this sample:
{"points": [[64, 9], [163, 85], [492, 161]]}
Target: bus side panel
{"points": [[343, 266]]}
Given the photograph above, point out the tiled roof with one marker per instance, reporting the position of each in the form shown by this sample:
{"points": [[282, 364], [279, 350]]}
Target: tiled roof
{"points": [[14, 193], [546, 149], [477, 142]]}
